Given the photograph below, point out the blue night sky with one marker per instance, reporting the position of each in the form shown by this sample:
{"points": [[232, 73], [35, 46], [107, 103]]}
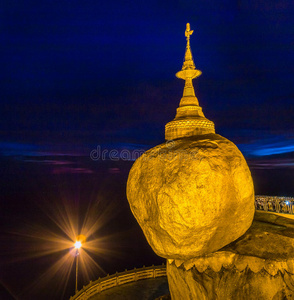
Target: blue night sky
{"points": [[76, 74]]}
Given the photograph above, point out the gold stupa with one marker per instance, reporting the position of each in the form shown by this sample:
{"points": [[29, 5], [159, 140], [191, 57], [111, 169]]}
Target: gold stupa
{"points": [[194, 195], [189, 119]]}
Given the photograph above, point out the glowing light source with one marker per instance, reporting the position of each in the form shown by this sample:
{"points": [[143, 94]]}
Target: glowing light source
{"points": [[80, 240], [69, 235], [78, 244]]}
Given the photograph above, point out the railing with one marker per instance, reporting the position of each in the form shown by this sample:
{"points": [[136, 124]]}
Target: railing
{"points": [[275, 204], [118, 279]]}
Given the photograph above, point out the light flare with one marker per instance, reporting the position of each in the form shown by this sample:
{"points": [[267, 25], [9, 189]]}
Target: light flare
{"points": [[78, 244], [58, 240]]}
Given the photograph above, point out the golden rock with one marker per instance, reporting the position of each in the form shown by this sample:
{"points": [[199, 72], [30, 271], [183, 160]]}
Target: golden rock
{"points": [[194, 194], [258, 265], [191, 196]]}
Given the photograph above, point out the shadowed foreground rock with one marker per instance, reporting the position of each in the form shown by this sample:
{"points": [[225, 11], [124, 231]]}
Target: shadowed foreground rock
{"points": [[259, 266]]}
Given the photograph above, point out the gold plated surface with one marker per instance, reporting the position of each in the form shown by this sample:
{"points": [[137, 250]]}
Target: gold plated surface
{"points": [[191, 196], [189, 119], [259, 265]]}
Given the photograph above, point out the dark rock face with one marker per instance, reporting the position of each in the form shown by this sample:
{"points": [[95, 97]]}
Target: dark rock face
{"points": [[165, 297]]}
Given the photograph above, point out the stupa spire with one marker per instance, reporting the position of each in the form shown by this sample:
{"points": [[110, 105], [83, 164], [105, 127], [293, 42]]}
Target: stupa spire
{"points": [[188, 62], [188, 73], [189, 119]]}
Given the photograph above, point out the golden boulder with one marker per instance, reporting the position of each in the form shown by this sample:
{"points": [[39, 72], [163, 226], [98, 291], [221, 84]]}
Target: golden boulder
{"points": [[191, 196]]}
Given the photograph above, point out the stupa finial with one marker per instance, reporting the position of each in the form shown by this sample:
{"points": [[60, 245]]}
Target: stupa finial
{"points": [[189, 119], [188, 71], [188, 32], [188, 61]]}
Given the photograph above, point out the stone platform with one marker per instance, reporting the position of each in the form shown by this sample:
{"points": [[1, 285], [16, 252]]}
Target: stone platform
{"points": [[258, 265]]}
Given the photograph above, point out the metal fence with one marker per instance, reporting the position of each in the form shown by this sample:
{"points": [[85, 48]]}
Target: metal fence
{"points": [[275, 204], [118, 279]]}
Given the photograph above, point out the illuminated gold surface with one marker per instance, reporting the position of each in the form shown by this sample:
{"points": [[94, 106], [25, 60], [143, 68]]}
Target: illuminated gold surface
{"points": [[189, 119], [194, 200], [191, 196], [259, 265]]}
